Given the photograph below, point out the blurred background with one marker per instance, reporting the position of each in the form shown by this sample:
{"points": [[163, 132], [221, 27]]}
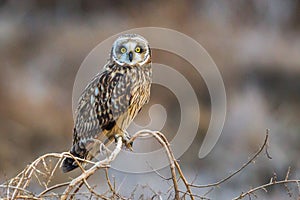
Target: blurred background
{"points": [[255, 44]]}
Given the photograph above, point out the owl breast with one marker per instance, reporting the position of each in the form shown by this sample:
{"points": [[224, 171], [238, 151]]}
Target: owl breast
{"points": [[140, 79]]}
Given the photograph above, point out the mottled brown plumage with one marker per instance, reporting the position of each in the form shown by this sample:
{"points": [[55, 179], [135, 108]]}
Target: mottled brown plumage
{"points": [[113, 98]]}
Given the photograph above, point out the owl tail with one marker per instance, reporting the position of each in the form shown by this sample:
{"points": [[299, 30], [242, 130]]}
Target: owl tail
{"points": [[70, 164]]}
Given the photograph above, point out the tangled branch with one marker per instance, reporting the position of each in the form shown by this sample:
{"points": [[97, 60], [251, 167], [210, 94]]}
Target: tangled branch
{"points": [[44, 168]]}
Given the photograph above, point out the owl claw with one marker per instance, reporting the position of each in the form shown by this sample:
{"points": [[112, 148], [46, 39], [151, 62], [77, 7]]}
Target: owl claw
{"points": [[125, 138], [129, 145]]}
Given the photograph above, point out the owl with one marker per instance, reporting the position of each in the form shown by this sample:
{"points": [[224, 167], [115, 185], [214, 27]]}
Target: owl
{"points": [[112, 99]]}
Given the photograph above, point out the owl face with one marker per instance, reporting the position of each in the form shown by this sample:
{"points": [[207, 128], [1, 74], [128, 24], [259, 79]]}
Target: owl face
{"points": [[131, 49]]}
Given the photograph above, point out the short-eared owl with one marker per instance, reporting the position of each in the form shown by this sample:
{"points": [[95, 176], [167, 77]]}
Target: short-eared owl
{"points": [[112, 99]]}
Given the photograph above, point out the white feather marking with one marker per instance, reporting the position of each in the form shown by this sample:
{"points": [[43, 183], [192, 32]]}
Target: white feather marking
{"points": [[92, 99], [96, 91]]}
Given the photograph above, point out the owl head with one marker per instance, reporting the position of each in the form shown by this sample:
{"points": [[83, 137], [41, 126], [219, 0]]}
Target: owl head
{"points": [[131, 49]]}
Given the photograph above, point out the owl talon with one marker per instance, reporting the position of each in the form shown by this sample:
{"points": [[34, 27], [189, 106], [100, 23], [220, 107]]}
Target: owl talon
{"points": [[125, 139], [129, 145]]}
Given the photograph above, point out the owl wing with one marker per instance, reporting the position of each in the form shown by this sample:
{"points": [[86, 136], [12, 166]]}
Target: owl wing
{"points": [[101, 104]]}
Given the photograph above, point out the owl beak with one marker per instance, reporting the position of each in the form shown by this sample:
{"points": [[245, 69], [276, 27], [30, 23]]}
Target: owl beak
{"points": [[130, 56]]}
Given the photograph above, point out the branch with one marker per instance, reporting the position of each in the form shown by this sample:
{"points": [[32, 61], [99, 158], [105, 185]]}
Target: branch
{"points": [[101, 164], [169, 154], [240, 169], [273, 182], [263, 187], [43, 170], [172, 160]]}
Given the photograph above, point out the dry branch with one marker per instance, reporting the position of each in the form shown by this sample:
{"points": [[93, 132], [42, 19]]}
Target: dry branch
{"points": [[43, 170], [264, 145], [85, 175]]}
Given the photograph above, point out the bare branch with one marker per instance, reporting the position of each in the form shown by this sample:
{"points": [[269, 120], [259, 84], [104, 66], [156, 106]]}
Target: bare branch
{"points": [[44, 168], [101, 164], [263, 187], [240, 169], [53, 188]]}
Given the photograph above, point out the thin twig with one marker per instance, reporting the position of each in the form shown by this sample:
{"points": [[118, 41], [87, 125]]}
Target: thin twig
{"points": [[240, 169], [53, 188], [263, 187]]}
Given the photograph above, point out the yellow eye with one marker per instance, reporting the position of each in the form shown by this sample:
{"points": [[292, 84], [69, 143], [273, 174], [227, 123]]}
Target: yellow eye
{"points": [[138, 49], [123, 50]]}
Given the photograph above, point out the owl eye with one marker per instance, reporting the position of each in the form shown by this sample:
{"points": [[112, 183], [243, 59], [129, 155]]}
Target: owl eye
{"points": [[138, 49], [123, 50]]}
